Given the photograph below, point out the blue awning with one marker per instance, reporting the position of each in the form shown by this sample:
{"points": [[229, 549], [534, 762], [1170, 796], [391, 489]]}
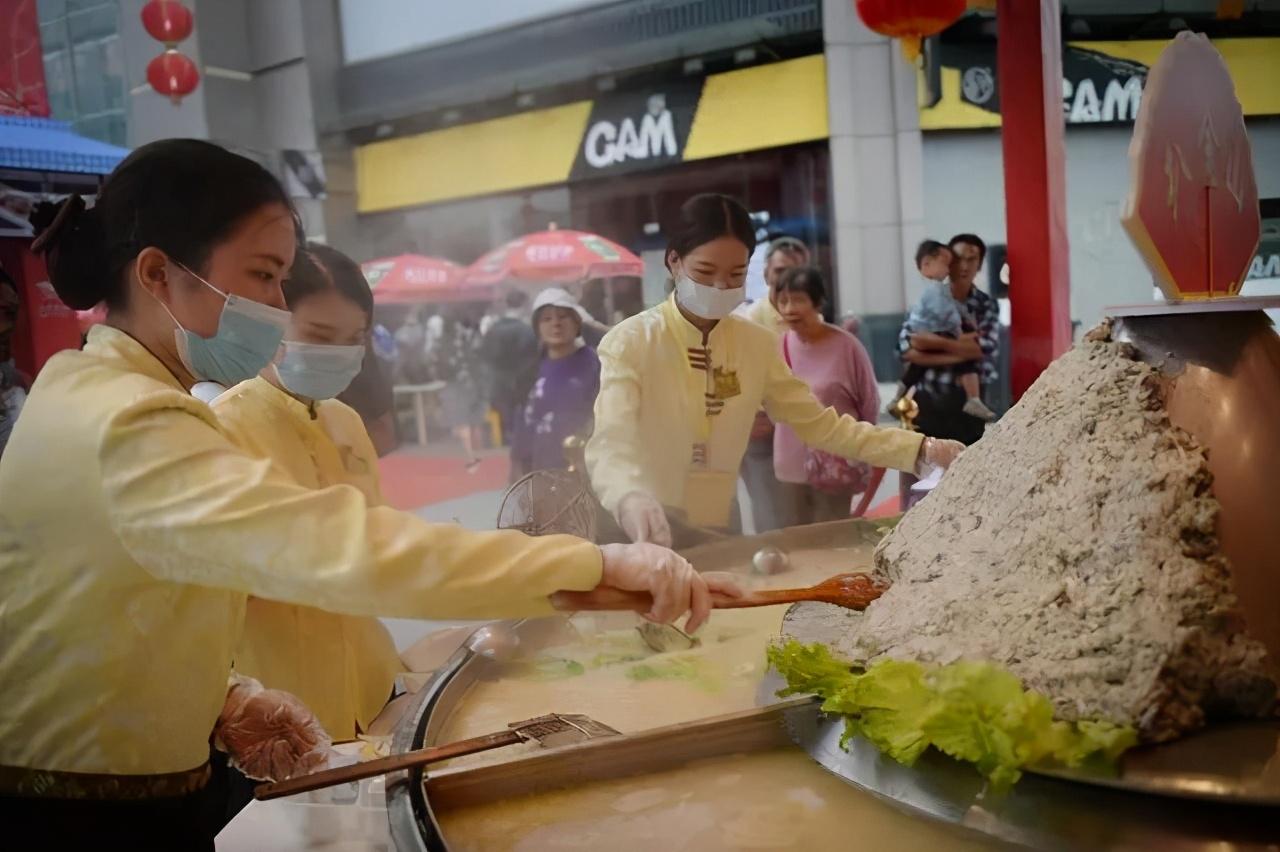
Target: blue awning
{"points": [[45, 145]]}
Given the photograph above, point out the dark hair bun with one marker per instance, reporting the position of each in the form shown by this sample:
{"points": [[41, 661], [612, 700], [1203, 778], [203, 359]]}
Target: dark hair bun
{"points": [[71, 238]]}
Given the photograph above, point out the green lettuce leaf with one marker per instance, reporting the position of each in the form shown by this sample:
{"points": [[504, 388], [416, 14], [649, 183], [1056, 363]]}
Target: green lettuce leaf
{"points": [[973, 711]]}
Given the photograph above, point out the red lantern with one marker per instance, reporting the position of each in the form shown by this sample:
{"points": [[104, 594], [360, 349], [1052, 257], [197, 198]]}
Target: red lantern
{"points": [[173, 74], [909, 20], [167, 21]]}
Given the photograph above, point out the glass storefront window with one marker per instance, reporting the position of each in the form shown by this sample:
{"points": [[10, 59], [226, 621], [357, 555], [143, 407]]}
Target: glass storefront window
{"points": [[84, 68]]}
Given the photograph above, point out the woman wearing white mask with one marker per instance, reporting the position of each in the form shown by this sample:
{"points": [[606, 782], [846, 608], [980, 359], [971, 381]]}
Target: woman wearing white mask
{"points": [[132, 530], [342, 666], [681, 383]]}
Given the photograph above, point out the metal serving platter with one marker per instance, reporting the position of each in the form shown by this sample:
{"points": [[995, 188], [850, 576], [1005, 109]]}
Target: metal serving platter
{"points": [[1042, 812], [1227, 779]]}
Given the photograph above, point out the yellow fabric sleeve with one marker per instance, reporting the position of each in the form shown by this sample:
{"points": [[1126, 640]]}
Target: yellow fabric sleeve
{"points": [[789, 400], [189, 507], [614, 451]]}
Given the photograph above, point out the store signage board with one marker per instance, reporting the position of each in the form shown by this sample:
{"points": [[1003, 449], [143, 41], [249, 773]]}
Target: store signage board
{"points": [[1103, 82], [1192, 210], [633, 131], [657, 126]]}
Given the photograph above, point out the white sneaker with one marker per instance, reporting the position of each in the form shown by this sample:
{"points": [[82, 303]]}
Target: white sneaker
{"points": [[977, 408]]}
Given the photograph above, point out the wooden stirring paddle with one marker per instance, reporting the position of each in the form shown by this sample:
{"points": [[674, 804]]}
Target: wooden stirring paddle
{"points": [[550, 731], [854, 591]]}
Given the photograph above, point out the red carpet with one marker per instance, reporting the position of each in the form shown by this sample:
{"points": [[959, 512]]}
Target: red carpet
{"points": [[410, 480], [886, 508]]}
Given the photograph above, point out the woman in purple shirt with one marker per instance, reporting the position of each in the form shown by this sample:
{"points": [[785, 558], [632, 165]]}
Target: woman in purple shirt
{"points": [[562, 398], [816, 486]]}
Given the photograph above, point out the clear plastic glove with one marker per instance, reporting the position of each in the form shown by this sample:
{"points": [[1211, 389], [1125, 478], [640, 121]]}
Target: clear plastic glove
{"points": [[270, 734], [936, 453], [675, 586], [643, 519]]}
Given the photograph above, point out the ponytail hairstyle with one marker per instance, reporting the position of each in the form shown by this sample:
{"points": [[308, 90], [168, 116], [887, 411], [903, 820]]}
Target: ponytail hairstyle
{"points": [[182, 196]]}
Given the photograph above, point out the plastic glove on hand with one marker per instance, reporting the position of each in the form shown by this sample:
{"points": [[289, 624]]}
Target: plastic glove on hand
{"points": [[270, 734], [937, 452], [675, 586], [643, 519]]}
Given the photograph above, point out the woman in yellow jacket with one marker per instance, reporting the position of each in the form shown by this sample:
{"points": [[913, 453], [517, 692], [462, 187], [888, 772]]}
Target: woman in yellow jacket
{"points": [[132, 530], [681, 383], [342, 666]]}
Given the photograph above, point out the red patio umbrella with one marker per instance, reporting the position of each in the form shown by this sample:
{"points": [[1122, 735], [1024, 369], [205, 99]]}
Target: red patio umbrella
{"points": [[411, 279], [554, 257]]}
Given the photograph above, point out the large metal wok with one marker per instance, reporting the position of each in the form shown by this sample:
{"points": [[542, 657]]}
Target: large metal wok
{"points": [[1042, 812]]}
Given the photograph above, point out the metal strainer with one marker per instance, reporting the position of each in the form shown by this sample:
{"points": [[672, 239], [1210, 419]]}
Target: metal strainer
{"points": [[547, 502]]}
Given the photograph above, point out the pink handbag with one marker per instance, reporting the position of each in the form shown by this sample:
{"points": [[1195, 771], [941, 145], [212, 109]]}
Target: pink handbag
{"points": [[828, 473]]}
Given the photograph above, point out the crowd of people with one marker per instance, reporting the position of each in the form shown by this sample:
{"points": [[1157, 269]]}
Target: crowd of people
{"points": [[194, 546], [533, 364]]}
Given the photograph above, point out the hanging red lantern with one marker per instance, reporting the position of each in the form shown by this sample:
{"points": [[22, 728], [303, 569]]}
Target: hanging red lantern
{"points": [[173, 74], [167, 21], [909, 20]]}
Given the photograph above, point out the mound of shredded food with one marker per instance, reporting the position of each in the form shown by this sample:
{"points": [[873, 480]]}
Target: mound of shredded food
{"points": [[973, 711]]}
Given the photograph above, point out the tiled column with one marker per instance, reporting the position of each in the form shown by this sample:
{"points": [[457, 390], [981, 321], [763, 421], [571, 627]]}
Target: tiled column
{"points": [[876, 165]]}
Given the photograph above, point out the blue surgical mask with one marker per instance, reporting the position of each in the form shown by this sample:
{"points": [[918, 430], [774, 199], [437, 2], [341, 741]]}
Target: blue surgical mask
{"points": [[317, 370], [247, 340]]}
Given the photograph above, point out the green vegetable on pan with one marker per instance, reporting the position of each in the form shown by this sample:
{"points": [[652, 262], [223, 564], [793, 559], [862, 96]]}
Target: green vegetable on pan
{"points": [[551, 668], [972, 711]]}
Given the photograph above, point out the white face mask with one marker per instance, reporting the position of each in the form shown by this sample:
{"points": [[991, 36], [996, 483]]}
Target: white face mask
{"points": [[706, 301]]}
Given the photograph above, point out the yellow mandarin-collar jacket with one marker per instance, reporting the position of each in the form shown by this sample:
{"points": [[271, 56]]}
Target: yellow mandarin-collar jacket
{"points": [[652, 402], [131, 531], [341, 666]]}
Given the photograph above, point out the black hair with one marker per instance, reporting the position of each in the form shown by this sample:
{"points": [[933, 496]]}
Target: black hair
{"points": [[970, 240], [804, 279], [318, 268], [516, 299], [182, 196], [928, 249], [707, 217]]}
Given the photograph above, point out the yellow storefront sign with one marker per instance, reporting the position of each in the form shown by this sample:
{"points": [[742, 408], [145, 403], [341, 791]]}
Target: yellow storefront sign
{"points": [[763, 107], [767, 106], [529, 149], [783, 103], [969, 97]]}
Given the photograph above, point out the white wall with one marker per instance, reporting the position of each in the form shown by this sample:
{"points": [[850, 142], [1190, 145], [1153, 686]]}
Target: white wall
{"points": [[964, 191], [376, 28]]}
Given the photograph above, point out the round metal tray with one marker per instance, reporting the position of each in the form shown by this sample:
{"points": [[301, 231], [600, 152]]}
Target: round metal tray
{"points": [[1234, 767]]}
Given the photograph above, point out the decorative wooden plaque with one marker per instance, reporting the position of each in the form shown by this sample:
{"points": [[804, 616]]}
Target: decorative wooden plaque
{"points": [[1192, 209]]}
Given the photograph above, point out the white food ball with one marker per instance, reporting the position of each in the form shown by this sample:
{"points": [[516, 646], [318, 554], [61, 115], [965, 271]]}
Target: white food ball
{"points": [[769, 560]]}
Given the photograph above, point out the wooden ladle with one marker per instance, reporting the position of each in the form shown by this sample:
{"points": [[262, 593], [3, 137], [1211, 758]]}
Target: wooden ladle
{"points": [[854, 591]]}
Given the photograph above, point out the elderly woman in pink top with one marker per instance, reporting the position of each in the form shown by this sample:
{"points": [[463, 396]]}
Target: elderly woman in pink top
{"points": [[818, 486]]}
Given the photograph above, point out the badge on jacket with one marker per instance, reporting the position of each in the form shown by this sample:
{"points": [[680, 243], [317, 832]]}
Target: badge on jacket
{"points": [[726, 383]]}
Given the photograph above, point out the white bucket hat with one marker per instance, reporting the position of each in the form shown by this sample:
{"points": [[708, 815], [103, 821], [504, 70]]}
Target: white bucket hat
{"points": [[555, 297]]}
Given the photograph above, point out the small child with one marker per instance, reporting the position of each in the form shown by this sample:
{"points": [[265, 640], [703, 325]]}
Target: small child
{"points": [[939, 313]]}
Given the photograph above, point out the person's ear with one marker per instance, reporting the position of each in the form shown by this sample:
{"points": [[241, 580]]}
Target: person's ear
{"points": [[151, 268], [672, 259]]}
